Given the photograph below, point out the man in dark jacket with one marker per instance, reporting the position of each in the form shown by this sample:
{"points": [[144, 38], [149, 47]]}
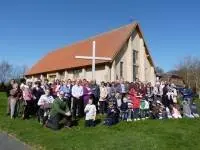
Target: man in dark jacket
{"points": [[60, 113], [37, 93], [95, 93]]}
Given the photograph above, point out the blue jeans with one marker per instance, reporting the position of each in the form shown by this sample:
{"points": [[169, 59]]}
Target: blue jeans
{"points": [[136, 112], [130, 113], [89, 123], [124, 115], [144, 113]]}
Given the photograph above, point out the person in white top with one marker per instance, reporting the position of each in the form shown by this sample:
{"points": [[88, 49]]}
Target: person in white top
{"points": [[90, 111], [45, 103], [174, 96], [103, 96], [77, 93], [46, 99]]}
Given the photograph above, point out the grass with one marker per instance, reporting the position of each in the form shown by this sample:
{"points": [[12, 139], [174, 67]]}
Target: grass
{"points": [[144, 135]]}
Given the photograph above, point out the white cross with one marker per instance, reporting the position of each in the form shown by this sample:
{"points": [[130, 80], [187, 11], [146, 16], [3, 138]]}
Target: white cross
{"points": [[93, 58]]}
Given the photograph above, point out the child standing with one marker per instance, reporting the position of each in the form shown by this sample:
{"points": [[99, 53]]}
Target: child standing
{"points": [[144, 109], [124, 109], [90, 111]]}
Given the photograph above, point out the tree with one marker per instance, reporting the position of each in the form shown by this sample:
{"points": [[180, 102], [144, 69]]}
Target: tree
{"points": [[19, 71], [189, 70], [159, 70], [5, 71]]}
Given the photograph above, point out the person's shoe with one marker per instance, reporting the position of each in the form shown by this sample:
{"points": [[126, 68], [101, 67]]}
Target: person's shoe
{"points": [[143, 118], [135, 119], [129, 120], [138, 119]]}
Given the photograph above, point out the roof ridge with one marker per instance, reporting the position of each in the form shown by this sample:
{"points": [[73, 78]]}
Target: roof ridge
{"points": [[97, 35]]}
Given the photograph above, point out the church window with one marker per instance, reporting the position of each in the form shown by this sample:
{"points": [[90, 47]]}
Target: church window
{"points": [[76, 73], [121, 69], [135, 66], [135, 57]]}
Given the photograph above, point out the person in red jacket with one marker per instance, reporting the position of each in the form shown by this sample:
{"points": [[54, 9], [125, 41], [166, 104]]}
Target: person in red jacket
{"points": [[135, 98]]}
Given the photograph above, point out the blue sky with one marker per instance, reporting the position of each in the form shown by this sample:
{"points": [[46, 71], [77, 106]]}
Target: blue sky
{"points": [[31, 28]]}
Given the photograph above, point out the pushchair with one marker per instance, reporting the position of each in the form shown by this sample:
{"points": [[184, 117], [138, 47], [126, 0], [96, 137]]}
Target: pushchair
{"points": [[44, 113]]}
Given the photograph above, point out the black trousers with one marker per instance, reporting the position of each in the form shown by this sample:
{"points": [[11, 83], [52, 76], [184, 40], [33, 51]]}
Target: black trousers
{"points": [[77, 105], [96, 100], [56, 122], [29, 109], [102, 107], [89, 123], [69, 102], [41, 117]]}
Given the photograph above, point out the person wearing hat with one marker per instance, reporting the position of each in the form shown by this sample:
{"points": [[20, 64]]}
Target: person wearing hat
{"points": [[60, 114]]}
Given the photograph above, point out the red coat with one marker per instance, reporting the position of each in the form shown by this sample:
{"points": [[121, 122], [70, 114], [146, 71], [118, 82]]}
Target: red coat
{"points": [[133, 97]]}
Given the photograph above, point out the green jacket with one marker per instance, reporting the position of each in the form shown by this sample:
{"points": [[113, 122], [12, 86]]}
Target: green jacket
{"points": [[59, 107]]}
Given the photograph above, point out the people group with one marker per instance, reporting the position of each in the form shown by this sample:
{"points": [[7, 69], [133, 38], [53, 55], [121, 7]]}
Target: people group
{"points": [[58, 104]]}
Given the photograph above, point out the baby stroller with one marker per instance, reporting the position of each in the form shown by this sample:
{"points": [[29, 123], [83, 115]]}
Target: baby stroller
{"points": [[44, 113]]}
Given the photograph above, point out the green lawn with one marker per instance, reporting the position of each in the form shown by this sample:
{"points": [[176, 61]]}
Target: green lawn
{"points": [[144, 135]]}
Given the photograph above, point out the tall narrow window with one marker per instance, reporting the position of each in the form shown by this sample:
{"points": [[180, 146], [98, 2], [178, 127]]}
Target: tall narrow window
{"points": [[135, 57], [135, 66], [121, 69]]}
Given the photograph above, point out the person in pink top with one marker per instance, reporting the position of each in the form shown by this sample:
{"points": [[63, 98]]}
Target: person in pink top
{"points": [[28, 100]]}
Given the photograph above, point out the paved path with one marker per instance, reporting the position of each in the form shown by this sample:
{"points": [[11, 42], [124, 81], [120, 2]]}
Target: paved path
{"points": [[9, 143]]}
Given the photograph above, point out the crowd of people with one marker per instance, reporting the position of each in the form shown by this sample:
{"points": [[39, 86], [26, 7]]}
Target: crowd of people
{"points": [[60, 103]]}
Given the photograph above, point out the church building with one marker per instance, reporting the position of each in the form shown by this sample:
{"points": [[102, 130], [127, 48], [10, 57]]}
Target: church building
{"points": [[129, 56]]}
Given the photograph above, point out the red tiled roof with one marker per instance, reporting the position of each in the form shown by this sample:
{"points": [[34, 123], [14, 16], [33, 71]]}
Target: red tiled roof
{"points": [[107, 45]]}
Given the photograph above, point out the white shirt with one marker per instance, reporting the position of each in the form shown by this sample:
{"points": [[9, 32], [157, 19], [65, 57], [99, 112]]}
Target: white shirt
{"points": [[77, 91], [123, 88], [44, 99], [90, 111]]}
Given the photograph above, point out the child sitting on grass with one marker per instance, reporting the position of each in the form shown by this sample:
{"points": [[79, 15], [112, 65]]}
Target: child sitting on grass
{"points": [[144, 109], [175, 112], [90, 111], [112, 115]]}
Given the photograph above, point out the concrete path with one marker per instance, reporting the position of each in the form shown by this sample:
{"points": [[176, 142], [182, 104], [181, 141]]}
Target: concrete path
{"points": [[9, 143]]}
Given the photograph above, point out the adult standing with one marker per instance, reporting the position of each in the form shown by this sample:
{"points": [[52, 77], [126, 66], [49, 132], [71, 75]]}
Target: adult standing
{"points": [[37, 93], [28, 100], [95, 93], [86, 93], [67, 90], [8, 89], [103, 96], [14, 97], [69, 85], [77, 93]]}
